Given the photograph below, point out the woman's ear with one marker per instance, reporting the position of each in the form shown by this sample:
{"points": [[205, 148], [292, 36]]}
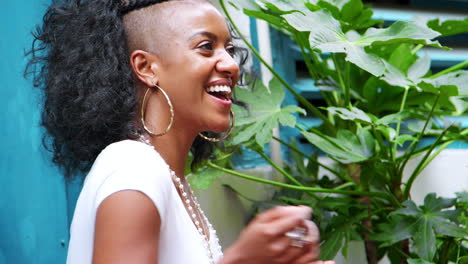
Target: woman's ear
{"points": [[145, 67]]}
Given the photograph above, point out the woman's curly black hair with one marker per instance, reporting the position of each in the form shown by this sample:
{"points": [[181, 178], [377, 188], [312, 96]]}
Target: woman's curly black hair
{"points": [[80, 60]]}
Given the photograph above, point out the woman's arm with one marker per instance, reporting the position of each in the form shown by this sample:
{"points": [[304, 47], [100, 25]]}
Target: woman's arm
{"points": [[127, 230]]}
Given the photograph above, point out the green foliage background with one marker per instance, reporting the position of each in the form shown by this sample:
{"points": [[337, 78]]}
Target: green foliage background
{"points": [[380, 96]]}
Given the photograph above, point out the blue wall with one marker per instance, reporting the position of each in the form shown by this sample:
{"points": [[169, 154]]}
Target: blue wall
{"points": [[33, 196]]}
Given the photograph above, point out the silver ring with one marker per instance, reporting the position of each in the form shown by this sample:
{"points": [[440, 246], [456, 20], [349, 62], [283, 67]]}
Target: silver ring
{"points": [[297, 236]]}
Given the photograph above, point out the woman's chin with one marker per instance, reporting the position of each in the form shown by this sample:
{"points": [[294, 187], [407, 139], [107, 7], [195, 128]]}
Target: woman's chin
{"points": [[220, 127]]}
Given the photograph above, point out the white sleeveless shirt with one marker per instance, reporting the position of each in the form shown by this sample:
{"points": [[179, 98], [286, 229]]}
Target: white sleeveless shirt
{"points": [[132, 165]]}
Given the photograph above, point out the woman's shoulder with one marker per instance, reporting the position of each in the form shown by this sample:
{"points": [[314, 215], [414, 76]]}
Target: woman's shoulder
{"points": [[129, 165], [130, 153], [129, 160]]}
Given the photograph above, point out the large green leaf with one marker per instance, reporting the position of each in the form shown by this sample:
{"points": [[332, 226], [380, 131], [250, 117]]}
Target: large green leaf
{"points": [[351, 10], [416, 71], [354, 114], [425, 241], [395, 77], [451, 84], [399, 32], [326, 35], [332, 245], [402, 57], [449, 27], [281, 6], [244, 5], [339, 4], [264, 113], [393, 118], [204, 177], [419, 68], [460, 104], [432, 218], [347, 147], [399, 228]]}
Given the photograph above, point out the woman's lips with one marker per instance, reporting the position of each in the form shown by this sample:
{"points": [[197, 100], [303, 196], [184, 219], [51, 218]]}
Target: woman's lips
{"points": [[223, 101], [221, 93]]}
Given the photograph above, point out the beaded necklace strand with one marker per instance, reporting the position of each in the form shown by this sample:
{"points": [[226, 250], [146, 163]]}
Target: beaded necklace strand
{"points": [[194, 210]]}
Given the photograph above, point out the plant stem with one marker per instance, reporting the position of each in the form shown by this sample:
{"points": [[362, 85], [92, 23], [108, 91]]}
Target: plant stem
{"points": [[417, 170], [405, 250], [402, 107], [370, 245], [306, 59], [434, 155], [310, 67], [294, 187], [444, 258], [455, 67], [300, 98], [309, 157], [448, 142], [417, 48], [421, 150], [345, 185], [282, 171], [458, 253], [347, 94], [414, 144], [379, 139], [278, 168], [340, 78]]}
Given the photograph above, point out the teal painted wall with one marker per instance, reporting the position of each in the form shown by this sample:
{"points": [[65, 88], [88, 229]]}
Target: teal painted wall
{"points": [[33, 197]]}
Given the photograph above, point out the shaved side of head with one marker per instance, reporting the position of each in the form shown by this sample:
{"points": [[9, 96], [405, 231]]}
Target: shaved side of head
{"points": [[150, 28]]}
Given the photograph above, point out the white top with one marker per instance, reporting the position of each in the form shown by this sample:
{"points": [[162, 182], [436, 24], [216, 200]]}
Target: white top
{"points": [[132, 165]]}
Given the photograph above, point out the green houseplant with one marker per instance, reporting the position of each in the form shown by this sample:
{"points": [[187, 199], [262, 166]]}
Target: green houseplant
{"points": [[381, 100]]}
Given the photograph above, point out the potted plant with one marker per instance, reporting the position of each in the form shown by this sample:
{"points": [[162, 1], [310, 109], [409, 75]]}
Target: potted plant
{"points": [[382, 100]]}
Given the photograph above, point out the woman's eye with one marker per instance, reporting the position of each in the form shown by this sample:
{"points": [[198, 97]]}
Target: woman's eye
{"points": [[231, 50], [206, 46]]}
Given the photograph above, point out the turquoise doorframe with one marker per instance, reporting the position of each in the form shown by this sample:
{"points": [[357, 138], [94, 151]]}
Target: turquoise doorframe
{"points": [[33, 195]]}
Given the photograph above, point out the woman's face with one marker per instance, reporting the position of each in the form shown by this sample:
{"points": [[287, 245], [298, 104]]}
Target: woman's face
{"points": [[197, 68]]}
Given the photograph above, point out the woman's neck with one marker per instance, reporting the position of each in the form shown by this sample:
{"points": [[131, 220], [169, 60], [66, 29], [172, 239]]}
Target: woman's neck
{"points": [[174, 148]]}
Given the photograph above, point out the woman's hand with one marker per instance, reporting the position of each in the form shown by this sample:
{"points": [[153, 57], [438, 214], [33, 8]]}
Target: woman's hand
{"points": [[264, 239], [312, 247]]}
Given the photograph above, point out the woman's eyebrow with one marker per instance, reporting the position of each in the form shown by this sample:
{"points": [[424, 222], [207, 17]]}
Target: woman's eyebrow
{"points": [[208, 35]]}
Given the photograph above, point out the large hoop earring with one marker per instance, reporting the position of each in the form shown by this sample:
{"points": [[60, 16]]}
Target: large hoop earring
{"points": [[171, 109], [225, 135]]}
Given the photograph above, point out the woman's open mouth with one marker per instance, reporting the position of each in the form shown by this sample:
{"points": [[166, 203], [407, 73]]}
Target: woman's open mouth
{"points": [[222, 92]]}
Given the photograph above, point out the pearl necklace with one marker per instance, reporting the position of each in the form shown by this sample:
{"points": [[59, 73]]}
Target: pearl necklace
{"points": [[196, 214]]}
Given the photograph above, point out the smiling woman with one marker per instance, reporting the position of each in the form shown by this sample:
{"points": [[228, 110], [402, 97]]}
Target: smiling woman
{"points": [[129, 89]]}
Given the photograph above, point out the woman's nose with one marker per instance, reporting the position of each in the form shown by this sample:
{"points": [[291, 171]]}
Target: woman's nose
{"points": [[227, 65]]}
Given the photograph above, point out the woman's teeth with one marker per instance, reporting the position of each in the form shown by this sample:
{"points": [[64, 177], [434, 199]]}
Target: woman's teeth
{"points": [[219, 88]]}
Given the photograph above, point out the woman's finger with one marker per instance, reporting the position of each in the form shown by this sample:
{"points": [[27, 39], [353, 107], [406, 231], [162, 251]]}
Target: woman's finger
{"points": [[279, 248], [279, 227], [290, 253], [301, 211], [313, 234], [310, 253]]}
